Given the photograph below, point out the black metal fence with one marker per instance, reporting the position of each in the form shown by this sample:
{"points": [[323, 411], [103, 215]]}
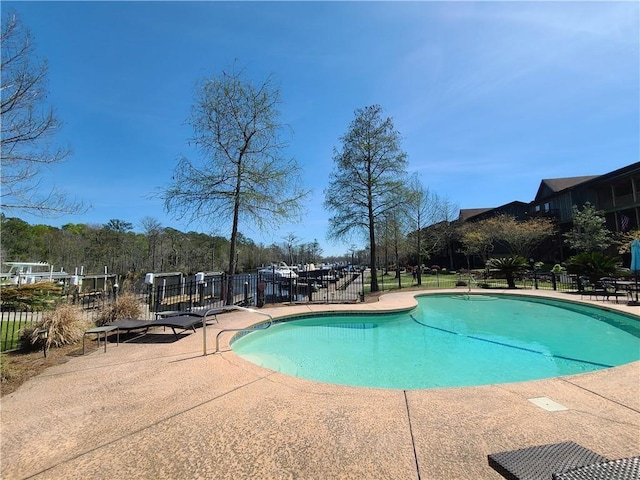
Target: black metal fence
{"points": [[266, 286], [315, 286], [178, 294], [14, 320], [12, 324], [209, 292]]}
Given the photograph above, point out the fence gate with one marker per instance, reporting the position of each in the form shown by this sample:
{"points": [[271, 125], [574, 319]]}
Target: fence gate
{"points": [[320, 286]]}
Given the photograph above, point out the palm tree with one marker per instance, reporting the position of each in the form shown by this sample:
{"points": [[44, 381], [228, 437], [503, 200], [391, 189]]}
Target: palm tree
{"points": [[509, 267], [593, 265]]}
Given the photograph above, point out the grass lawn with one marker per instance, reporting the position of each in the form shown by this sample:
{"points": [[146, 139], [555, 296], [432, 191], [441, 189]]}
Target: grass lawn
{"points": [[10, 332], [390, 282]]}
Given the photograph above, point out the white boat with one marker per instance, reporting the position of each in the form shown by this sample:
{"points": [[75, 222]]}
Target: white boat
{"points": [[278, 273], [21, 273]]}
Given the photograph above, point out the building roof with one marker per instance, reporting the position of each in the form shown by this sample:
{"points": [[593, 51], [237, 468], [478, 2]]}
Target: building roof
{"points": [[550, 186], [467, 213], [515, 208]]}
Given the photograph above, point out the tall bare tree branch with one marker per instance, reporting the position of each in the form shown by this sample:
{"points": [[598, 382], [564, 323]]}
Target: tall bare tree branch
{"points": [[368, 180], [243, 177], [28, 128]]}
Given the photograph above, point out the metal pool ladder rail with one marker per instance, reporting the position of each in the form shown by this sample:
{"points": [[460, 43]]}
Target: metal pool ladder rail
{"points": [[246, 329]]}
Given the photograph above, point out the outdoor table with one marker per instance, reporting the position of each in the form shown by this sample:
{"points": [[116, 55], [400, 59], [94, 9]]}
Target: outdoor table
{"points": [[104, 331]]}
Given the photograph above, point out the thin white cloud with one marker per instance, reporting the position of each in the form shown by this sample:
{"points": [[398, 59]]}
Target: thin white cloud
{"points": [[602, 21], [507, 46]]}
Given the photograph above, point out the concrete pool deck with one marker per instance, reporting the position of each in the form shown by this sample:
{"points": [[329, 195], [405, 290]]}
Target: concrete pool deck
{"points": [[155, 407]]}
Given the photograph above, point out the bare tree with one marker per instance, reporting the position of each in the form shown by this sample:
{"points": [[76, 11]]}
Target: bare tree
{"points": [[368, 179], [152, 229], [421, 213], [477, 238], [446, 214], [243, 176], [314, 251], [396, 233], [441, 216], [290, 244], [28, 128]]}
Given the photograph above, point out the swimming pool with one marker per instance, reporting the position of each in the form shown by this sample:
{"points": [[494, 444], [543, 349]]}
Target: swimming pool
{"points": [[447, 341]]}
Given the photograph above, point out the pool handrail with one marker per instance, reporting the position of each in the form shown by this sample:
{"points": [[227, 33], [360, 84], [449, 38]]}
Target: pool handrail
{"points": [[245, 329], [211, 311], [214, 312]]}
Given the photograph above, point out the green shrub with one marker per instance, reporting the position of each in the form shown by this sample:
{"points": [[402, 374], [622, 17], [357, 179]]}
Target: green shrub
{"points": [[33, 296], [593, 265]]}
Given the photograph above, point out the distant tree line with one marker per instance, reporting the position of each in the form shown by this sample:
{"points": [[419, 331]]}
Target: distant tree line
{"points": [[155, 249], [439, 239]]}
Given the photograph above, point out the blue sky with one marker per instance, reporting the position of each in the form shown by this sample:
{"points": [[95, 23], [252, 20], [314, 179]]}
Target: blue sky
{"points": [[489, 97]]}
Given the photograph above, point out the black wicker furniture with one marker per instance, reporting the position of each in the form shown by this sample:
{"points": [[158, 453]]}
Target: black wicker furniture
{"points": [[622, 469], [547, 462]]}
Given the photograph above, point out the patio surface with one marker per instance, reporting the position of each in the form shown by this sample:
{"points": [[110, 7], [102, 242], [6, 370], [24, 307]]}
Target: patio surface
{"points": [[157, 408]]}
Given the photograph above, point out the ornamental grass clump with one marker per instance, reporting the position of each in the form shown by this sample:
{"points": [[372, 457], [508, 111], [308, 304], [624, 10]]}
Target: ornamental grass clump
{"points": [[127, 306], [64, 326]]}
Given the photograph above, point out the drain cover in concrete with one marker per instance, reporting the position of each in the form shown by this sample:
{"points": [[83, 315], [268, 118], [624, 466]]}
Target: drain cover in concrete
{"points": [[547, 404]]}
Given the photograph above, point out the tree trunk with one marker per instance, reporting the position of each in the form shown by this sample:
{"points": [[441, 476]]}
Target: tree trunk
{"points": [[451, 259], [419, 273], [372, 259], [233, 242]]}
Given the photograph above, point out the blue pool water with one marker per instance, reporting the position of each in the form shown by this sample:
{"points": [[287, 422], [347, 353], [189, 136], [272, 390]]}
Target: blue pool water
{"points": [[448, 341]]}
